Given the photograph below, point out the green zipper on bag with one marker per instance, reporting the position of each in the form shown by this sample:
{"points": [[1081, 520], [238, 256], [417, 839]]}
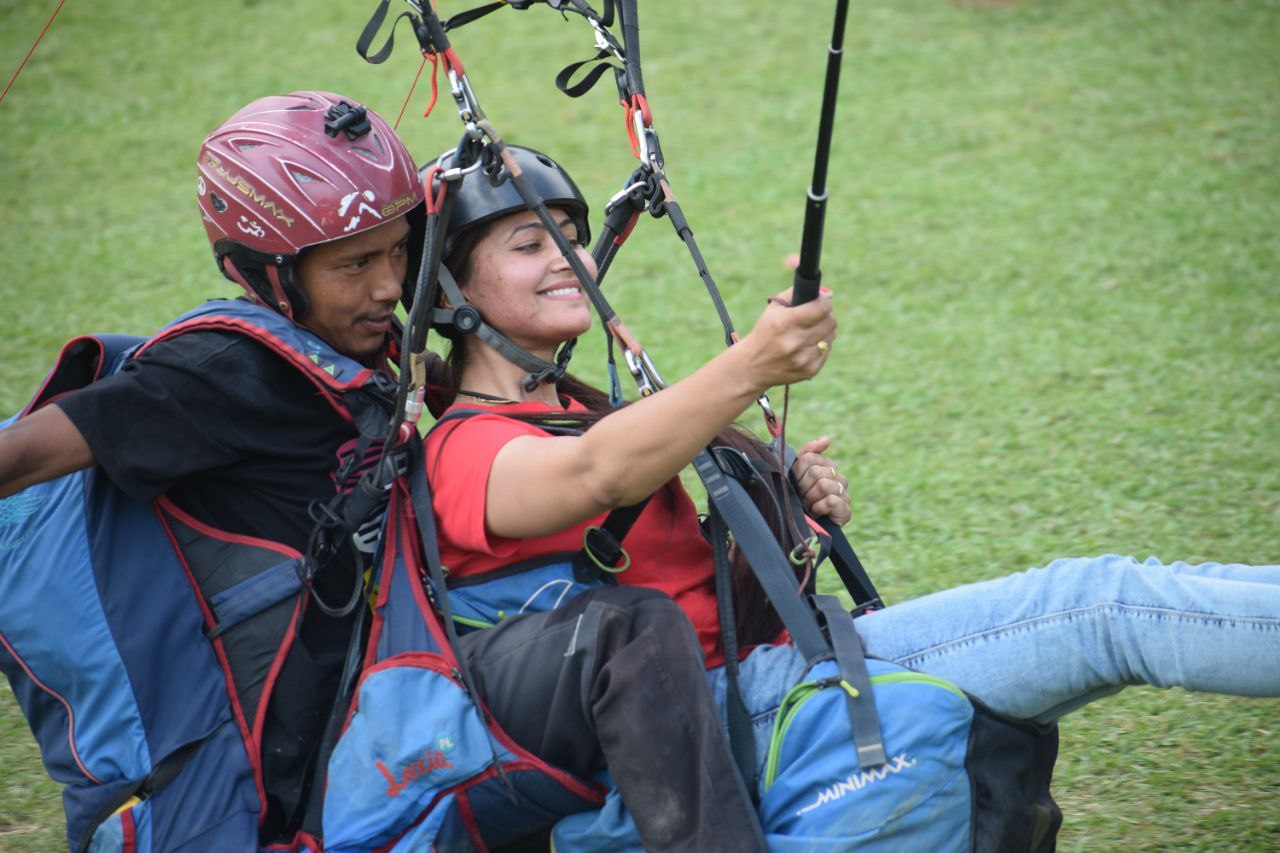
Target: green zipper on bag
{"points": [[806, 690]]}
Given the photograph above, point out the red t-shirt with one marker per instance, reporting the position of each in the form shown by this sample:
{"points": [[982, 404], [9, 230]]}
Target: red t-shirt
{"points": [[667, 549]]}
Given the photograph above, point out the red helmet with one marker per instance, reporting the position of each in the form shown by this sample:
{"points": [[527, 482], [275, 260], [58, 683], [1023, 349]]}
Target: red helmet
{"points": [[293, 171]]}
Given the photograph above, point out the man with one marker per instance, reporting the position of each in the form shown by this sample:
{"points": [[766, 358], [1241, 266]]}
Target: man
{"points": [[313, 205]]}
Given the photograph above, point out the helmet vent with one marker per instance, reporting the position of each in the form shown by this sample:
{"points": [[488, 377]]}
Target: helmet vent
{"points": [[219, 203], [365, 153], [303, 177], [247, 146]]}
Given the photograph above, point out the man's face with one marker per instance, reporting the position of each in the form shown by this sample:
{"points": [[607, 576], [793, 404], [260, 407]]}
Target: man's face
{"points": [[353, 285]]}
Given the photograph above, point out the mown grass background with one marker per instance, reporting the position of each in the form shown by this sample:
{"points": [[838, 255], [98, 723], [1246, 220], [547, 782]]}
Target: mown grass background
{"points": [[1052, 233]]}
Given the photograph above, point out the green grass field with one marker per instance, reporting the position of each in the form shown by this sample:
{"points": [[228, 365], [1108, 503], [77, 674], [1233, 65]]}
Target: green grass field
{"points": [[1053, 233]]}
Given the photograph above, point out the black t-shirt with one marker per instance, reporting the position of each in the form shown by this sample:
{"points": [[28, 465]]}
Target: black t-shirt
{"points": [[244, 442]]}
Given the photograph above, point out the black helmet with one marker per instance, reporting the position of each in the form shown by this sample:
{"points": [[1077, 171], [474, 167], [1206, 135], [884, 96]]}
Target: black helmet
{"points": [[485, 194], [488, 193]]}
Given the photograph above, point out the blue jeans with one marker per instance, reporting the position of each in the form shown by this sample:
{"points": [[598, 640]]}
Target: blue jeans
{"points": [[1039, 644]]}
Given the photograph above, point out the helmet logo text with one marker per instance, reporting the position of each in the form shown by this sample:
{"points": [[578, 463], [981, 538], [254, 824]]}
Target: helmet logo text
{"points": [[248, 190]]}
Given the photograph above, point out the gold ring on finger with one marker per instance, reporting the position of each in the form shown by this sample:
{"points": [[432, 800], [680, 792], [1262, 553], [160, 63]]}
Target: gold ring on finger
{"points": [[824, 347]]}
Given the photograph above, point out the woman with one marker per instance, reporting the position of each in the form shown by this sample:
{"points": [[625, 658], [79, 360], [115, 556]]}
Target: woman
{"points": [[1033, 645]]}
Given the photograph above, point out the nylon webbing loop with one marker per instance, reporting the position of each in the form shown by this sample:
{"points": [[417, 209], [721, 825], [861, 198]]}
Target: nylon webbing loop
{"points": [[864, 719]]}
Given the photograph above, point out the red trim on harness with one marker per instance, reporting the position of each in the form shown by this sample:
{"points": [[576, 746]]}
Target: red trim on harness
{"points": [[161, 505], [128, 832], [71, 714], [327, 383], [273, 674], [221, 535], [469, 818]]}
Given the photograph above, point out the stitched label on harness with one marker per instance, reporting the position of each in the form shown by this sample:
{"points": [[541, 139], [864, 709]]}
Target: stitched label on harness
{"points": [[857, 781], [430, 760]]}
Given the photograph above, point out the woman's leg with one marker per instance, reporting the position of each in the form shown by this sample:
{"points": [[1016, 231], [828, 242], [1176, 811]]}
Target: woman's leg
{"points": [[1047, 641], [616, 675]]}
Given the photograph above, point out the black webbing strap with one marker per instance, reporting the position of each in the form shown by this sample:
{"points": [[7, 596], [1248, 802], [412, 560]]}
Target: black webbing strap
{"points": [[424, 514], [845, 560], [466, 17], [371, 29], [741, 739], [538, 370], [849, 568], [588, 80], [864, 720], [765, 556]]}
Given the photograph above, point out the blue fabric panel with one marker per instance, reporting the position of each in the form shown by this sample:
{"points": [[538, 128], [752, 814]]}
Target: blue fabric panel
{"points": [[251, 597], [110, 835], [451, 833], [403, 629], [52, 616], [425, 835], [608, 829], [542, 802], [919, 800], [212, 804], [150, 605], [534, 590], [415, 733], [109, 838]]}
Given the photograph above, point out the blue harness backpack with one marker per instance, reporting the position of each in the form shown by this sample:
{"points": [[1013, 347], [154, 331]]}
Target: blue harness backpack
{"points": [[141, 644], [865, 754]]}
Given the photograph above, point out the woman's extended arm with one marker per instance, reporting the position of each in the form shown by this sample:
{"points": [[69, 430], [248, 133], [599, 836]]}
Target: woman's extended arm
{"points": [[542, 485], [39, 447]]}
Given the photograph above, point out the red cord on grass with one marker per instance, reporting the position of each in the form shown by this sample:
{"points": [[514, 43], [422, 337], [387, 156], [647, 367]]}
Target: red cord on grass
{"points": [[32, 50]]}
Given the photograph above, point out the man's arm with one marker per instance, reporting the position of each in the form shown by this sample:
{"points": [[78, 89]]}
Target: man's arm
{"points": [[39, 447]]}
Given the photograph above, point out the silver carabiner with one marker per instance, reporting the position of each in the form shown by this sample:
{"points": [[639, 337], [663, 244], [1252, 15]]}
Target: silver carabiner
{"points": [[468, 108], [643, 382]]}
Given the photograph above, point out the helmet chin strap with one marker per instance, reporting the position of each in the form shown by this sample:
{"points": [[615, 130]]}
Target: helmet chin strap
{"points": [[466, 319], [273, 277]]}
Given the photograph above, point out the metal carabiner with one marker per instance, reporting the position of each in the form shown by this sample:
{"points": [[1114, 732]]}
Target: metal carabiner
{"points": [[468, 108], [770, 419], [643, 370], [635, 364]]}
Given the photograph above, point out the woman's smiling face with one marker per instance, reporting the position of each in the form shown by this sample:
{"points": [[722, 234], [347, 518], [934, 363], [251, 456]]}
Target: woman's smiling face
{"points": [[524, 287]]}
